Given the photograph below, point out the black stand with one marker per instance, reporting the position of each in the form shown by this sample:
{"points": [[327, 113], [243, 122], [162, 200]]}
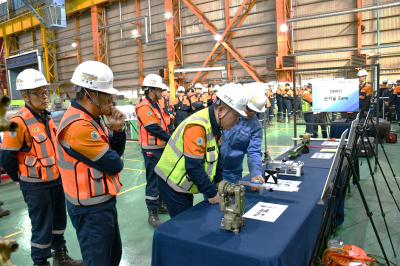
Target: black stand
{"points": [[267, 158], [384, 152], [322, 234]]}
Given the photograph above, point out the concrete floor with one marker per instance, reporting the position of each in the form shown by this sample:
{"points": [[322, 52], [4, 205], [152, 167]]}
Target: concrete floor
{"points": [[137, 233]]}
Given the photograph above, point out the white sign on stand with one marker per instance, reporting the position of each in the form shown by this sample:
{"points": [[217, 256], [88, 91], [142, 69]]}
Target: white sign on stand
{"points": [[129, 111], [335, 95]]}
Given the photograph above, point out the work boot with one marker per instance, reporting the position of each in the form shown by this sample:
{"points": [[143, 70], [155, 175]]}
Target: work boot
{"points": [[288, 121], [162, 209], [270, 123], [1, 202], [61, 258], [4, 212], [153, 218], [47, 264]]}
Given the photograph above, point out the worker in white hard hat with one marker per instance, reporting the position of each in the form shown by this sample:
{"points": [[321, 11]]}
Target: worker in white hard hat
{"points": [[189, 162], [382, 88], [365, 92], [167, 104], [90, 163], [154, 133], [245, 138], [181, 106], [28, 156], [271, 96], [397, 103], [197, 99], [209, 96], [389, 99]]}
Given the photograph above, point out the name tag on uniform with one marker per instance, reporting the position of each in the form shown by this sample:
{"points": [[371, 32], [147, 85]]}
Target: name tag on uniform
{"points": [[210, 149]]}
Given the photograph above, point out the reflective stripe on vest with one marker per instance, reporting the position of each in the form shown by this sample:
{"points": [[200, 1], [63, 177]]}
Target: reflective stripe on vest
{"points": [[171, 166], [39, 164], [83, 184], [146, 140]]}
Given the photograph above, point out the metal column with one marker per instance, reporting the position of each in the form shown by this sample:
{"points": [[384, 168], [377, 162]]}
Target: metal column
{"points": [[49, 50], [284, 40], [99, 35]]}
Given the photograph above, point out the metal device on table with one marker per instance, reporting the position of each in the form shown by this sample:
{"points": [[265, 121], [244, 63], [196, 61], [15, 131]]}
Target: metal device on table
{"points": [[231, 202], [7, 246], [289, 168], [305, 139], [338, 254]]}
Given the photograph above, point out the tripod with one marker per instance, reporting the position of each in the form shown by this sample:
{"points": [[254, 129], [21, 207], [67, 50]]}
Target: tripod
{"points": [[384, 152], [267, 158], [347, 153]]}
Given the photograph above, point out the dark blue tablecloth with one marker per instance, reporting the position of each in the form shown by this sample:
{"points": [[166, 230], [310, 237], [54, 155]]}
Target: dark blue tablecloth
{"points": [[195, 238]]}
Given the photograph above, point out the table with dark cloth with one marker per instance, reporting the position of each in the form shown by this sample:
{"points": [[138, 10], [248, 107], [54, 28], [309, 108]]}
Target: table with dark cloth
{"points": [[195, 237]]}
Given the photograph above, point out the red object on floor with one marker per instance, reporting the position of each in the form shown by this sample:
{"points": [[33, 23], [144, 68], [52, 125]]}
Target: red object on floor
{"points": [[4, 176]]}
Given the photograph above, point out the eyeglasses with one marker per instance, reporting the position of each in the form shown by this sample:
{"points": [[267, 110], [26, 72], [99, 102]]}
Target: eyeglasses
{"points": [[110, 96], [41, 93], [250, 111]]}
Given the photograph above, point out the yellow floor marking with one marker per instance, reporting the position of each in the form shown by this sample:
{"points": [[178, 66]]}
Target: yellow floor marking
{"points": [[131, 189], [134, 169], [133, 160], [26, 229]]}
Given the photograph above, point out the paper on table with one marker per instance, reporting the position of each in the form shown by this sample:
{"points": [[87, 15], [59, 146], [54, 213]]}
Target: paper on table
{"points": [[330, 143], [322, 155], [284, 185], [267, 212]]}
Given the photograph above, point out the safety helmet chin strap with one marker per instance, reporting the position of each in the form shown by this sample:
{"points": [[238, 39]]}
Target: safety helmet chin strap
{"points": [[219, 103], [98, 106]]}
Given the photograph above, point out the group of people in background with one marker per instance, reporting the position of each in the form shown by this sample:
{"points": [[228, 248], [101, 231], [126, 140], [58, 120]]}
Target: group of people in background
{"points": [[389, 95]]}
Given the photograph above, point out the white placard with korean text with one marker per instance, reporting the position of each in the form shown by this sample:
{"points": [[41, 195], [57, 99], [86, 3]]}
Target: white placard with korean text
{"points": [[335, 95]]}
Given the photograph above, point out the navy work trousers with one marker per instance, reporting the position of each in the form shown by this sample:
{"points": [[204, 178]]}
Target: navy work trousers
{"points": [[175, 202], [151, 158], [287, 107], [48, 215], [309, 118], [280, 108], [99, 237]]}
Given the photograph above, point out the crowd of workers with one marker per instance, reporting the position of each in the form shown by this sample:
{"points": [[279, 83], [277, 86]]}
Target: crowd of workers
{"points": [[189, 145]]}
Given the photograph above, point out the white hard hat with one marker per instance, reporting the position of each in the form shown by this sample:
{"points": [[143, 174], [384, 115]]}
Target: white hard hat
{"points": [[398, 80], [257, 98], [204, 90], [362, 73], [181, 89], [385, 80], [153, 81], [165, 87], [391, 82], [198, 86], [216, 88], [95, 76], [30, 79], [234, 96]]}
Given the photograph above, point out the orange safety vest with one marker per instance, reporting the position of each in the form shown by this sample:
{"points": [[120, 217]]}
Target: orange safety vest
{"points": [[267, 103], [363, 90], [39, 164], [278, 91], [147, 140], [397, 91], [83, 184]]}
